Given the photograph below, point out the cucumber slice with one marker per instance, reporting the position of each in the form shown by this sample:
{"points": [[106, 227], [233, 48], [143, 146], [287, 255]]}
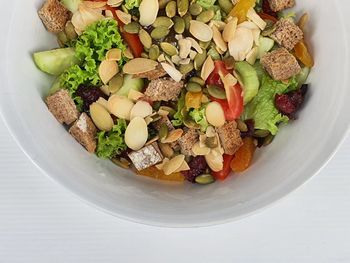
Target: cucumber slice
{"points": [[265, 45], [71, 5], [302, 76], [56, 86], [130, 83], [55, 61], [250, 80]]}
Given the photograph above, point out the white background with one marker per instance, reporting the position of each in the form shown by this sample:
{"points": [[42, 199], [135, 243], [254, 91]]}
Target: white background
{"points": [[42, 222]]}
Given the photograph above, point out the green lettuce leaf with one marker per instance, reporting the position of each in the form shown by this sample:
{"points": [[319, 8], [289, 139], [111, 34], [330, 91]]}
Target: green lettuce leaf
{"points": [[130, 4], [198, 115], [178, 117], [262, 108], [206, 4], [110, 144]]}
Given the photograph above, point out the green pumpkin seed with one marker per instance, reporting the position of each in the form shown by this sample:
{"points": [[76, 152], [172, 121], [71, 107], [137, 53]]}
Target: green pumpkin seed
{"points": [[163, 3], [144, 55], [168, 109], [182, 7], [145, 38], [168, 48], [268, 30], [268, 140], [211, 142], [195, 9], [261, 133], [153, 52], [159, 32], [185, 69], [189, 123], [156, 117], [226, 5], [205, 179], [116, 83], [123, 163], [166, 150], [193, 87], [62, 38], [242, 126], [199, 60], [70, 31], [204, 45], [163, 21], [216, 92], [187, 19], [132, 28], [198, 80], [170, 9], [206, 16], [179, 25], [163, 132]]}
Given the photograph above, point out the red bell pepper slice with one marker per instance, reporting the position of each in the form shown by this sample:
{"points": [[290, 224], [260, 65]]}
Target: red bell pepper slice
{"points": [[222, 175]]}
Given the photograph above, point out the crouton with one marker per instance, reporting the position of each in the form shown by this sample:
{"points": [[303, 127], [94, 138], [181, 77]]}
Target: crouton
{"points": [[280, 64], [156, 73], [230, 137], [146, 157], [279, 5], [54, 16], [62, 106], [84, 131], [164, 119], [163, 89], [187, 140], [287, 34]]}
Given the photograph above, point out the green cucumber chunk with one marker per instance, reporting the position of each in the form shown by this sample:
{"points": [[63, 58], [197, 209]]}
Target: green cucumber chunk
{"points": [[130, 83], [249, 79]]}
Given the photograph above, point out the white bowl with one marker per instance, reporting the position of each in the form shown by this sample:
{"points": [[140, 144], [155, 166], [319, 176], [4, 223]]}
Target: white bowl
{"points": [[297, 153]]}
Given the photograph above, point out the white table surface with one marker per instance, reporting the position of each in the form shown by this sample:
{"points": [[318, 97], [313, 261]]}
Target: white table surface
{"points": [[40, 221]]}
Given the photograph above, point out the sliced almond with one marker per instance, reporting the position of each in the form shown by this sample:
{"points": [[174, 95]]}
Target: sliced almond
{"points": [[103, 102], [161, 58], [139, 65], [166, 150], [195, 45], [205, 99], [215, 114], [124, 17], [173, 136], [136, 134], [252, 56], [114, 54], [108, 13], [176, 59], [193, 54], [120, 106], [148, 12], [78, 22], [173, 164], [248, 25], [95, 4], [198, 150], [101, 117], [230, 30], [210, 132], [107, 70], [241, 44], [218, 40], [185, 61], [141, 109], [114, 3], [256, 19], [105, 89], [184, 167], [128, 54], [215, 161], [229, 81], [207, 68], [185, 47], [172, 72], [135, 95], [89, 15], [154, 139], [219, 24], [200, 31]]}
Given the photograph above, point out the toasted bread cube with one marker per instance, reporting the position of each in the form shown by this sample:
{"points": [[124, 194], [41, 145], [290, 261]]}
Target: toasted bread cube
{"points": [[280, 64], [54, 16], [62, 106], [279, 5], [156, 73], [84, 131], [146, 157], [163, 89], [230, 137], [287, 34], [187, 140]]}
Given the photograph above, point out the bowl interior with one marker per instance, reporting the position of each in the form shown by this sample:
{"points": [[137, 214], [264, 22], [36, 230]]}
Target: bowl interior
{"points": [[298, 151]]}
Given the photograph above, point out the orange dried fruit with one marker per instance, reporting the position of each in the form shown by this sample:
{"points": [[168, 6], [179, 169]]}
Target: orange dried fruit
{"points": [[302, 53], [241, 9], [243, 157], [159, 174], [193, 100]]}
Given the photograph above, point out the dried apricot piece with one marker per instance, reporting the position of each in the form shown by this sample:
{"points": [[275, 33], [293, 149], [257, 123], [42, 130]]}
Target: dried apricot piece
{"points": [[302, 53], [243, 157], [241, 9], [159, 174], [193, 100]]}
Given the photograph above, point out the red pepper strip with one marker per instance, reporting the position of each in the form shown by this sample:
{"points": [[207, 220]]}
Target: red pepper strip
{"points": [[222, 175]]}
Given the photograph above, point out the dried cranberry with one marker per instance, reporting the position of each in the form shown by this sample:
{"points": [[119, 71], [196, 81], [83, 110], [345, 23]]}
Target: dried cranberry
{"points": [[267, 9], [89, 95], [250, 126], [291, 102], [284, 104], [197, 165]]}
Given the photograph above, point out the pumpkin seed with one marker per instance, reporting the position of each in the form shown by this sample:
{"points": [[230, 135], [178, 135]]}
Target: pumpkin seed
{"points": [[211, 142], [182, 7], [62, 37], [242, 126], [123, 163], [206, 16], [173, 136], [179, 26], [185, 48], [115, 83], [204, 45], [170, 9], [197, 80], [159, 32], [166, 150], [145, 38], [153, 52], [187, 19], [170, 110], [144, 55], [199, 60], [70, 31], [163, 132], [163, 21], [195, 9], [168, 48], [268, 140], [193, 87], [216, 92], [205, 179], [185, 69], [261, 133], [268, 30], [132, 28], [226, 5], [163, 3]]}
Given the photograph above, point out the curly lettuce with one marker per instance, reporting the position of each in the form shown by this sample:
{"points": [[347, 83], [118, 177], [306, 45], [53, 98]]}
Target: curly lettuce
{"points": [[262, 108], [131, 4], [198, 115], [178, 116], [110, 144], [206, 4]]}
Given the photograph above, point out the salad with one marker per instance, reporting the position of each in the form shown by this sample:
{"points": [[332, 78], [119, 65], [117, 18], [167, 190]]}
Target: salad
{"points": [[175, 90]]}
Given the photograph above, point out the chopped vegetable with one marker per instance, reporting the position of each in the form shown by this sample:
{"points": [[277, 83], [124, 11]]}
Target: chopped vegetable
{"points": [[178, 117], [240, 10], [206, 4], [223, 174], [198, 115], [302, 53], [130, 4], [244, 156]]}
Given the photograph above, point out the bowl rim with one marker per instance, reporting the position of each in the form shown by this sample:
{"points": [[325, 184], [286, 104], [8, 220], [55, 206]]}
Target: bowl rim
{"points": [[256, 208]]}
